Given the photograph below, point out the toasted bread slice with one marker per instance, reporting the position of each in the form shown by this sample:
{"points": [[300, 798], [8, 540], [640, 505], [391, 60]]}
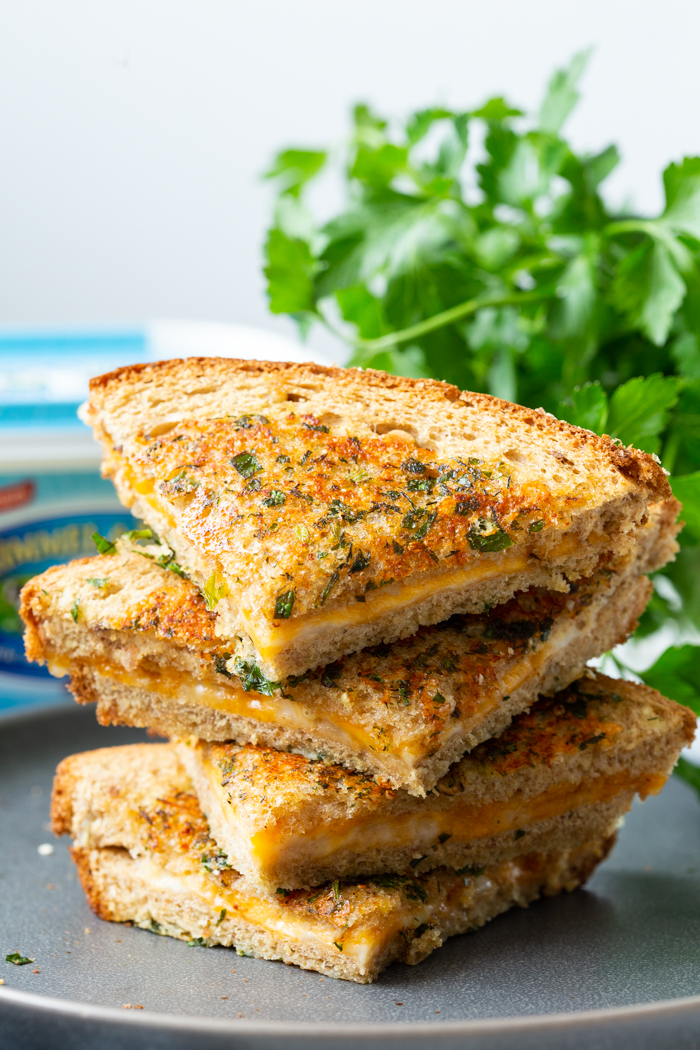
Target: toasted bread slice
{"points": [[562, 774], [145, 855], [140, 641], [323, 510]]}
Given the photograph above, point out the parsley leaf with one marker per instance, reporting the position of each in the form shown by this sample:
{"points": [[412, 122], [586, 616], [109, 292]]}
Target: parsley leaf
{"points": [[639, 410], [246, 464], [275, 499], [676, 674], [689, 772], [214, 590], [490, 541], [252, 679], [532, 287], [587, 407], [103, 546], [284, 605]]}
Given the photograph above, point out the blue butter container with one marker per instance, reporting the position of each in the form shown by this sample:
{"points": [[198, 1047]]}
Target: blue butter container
{"points": [[52, 497]]}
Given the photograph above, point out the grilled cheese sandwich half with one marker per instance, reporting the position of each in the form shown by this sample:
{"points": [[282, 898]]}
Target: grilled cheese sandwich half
{"points": [[140, 641], [566, 771], [145, 855], [325, 510]]}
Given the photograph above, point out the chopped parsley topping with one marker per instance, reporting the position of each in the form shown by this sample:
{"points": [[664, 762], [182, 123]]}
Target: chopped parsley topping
{"points": [[591, 740], [361, 562], [284, 604], [488, 542], [246, 464], [220, 664], [332, 580], [423, 528], [403, 692], [139, 534], [275, 499], [319, 427], [222, 916], [413, 517], [17, 959], [413, 466], [166, 561], [470, 869], [74, 610], [181, 483], [98, 581], [252, 679], [214, 591], [103, 546], [214, 861], [247, 422], [536, 526], [337, 508], [420, 484], [415, 892], [466, 506], [330, 676]]}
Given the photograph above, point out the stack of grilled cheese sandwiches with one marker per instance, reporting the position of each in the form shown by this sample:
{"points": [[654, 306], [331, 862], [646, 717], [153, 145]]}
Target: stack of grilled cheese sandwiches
{"points": [[360, 611]]}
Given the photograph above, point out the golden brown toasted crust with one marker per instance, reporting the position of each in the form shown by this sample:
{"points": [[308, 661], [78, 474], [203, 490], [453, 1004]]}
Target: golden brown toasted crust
{"points": [[100, 902], [62, 798], [141, 645], [119, 384], [403, 491], [576, 758]]}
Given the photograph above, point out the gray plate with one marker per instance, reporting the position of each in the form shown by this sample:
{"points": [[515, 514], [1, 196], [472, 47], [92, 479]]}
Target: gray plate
{"points": [[616, 964]]}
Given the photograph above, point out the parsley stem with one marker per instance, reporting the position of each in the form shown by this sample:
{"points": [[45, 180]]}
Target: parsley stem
{"points": [[455, 313], [614, 229]]}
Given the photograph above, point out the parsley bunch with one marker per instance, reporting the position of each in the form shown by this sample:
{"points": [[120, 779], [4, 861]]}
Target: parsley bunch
{"points": [[476, 247]]}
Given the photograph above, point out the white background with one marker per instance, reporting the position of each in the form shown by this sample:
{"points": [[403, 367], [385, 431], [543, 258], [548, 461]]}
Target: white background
{"points": [[133, 133]]}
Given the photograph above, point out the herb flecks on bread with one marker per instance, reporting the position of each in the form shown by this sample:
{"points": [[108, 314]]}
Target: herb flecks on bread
{"points": [[322, 510]]}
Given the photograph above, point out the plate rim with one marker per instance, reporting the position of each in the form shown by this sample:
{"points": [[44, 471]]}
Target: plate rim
{"points": [[685, 1006]]}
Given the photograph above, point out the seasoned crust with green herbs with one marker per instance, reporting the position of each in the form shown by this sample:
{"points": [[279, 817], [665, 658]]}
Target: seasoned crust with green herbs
{"points": [[296, 494], [563, 772], [140, 641], [145, 855]]}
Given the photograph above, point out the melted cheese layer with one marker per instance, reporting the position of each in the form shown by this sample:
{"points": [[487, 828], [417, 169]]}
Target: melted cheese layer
{"points": [[421, 829], [378, 604], [271, 638], [314, 719]]}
